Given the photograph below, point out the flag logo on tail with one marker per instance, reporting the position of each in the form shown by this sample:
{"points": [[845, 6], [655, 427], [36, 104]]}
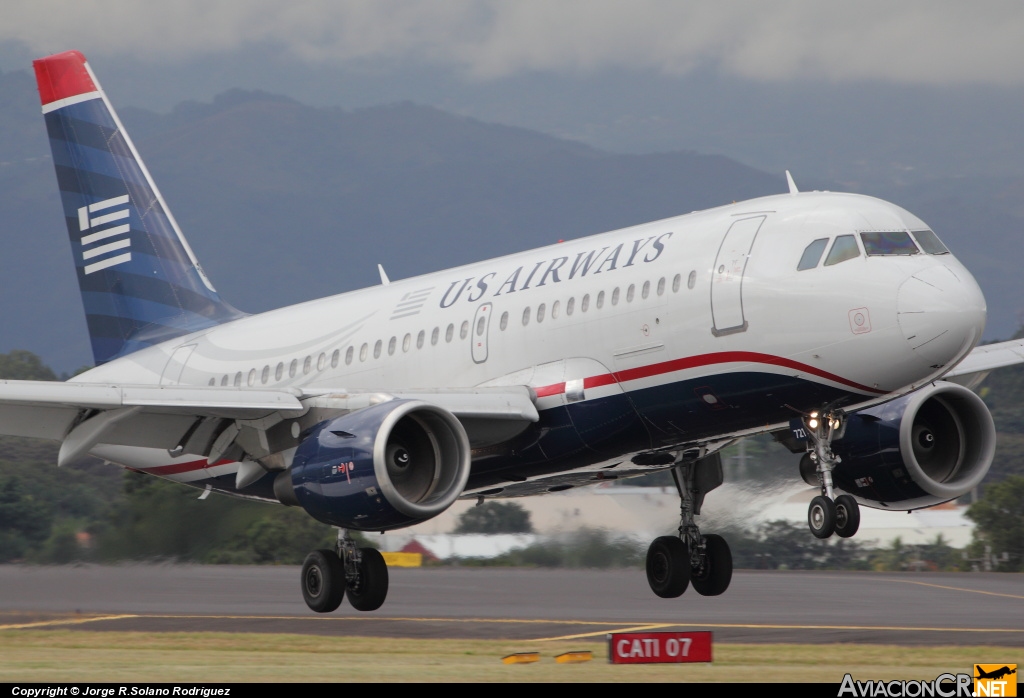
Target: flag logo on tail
{"points": [[105, 233]]}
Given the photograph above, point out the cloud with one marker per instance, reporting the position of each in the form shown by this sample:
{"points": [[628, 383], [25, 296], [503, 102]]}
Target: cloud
{"points": [[915, 41]]}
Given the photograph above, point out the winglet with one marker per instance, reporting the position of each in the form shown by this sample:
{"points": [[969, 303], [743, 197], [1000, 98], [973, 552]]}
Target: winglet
{"points": [[383, 275], [791, 183]]}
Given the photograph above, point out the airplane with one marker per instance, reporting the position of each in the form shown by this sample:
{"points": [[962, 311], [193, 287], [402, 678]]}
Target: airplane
{"points": [[833, 321], [994, 674]]}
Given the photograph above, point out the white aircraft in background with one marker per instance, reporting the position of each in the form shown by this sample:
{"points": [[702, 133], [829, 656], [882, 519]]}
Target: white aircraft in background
{"points": [[829, 320]]}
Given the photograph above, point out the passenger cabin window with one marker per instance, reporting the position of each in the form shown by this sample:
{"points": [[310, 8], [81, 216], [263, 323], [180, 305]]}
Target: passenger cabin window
{"points": [[812, 254], [504, 320], [844, 248], [894, 243], [929, 242]]}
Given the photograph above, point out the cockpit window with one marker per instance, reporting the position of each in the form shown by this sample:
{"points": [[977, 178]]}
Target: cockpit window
{"points": [[929, 242], [844, 248], [891, 243], [812, 254]]}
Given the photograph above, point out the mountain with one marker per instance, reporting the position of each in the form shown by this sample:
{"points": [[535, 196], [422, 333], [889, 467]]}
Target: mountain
{"points": [[284, 202]]}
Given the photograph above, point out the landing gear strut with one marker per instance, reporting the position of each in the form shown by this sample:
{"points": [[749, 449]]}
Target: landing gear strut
{"points": [[828, 514], [676, 562], [327, 575]]}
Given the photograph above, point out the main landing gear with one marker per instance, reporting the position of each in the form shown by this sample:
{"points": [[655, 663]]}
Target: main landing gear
{"points": [[827, 514], [703, 561], [361, 572]]}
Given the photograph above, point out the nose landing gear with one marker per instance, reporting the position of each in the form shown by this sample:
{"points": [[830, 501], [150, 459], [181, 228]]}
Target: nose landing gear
{"points": [[360, 572], [827, 514], [703, 561]]}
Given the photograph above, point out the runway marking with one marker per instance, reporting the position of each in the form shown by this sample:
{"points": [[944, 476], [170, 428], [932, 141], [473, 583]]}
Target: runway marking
{"points": [[606, 626], [65, 621], [634, 629], [972, 591]]}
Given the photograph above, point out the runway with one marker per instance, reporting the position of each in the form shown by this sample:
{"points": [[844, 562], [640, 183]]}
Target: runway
{"points": [[452, 602]]}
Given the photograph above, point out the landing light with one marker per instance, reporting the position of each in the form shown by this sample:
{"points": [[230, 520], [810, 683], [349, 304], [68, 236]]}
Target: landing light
{"points": [[812, 423]]}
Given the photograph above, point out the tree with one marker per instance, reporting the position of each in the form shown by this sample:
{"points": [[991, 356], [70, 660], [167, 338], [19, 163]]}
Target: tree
{"points": [[24, 365], [495, 517], [25, 520], [999, 516]]}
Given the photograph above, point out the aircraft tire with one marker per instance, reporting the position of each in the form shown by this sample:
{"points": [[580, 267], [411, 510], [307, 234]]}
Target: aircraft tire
{"points": [[821, 517], [323, 581], [668, 567], [847, 516], [714, 576], [369, 591]]}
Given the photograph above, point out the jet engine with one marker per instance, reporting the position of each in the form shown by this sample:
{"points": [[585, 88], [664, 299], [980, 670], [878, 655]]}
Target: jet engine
{"points": [[926, 448], [382, 467]]}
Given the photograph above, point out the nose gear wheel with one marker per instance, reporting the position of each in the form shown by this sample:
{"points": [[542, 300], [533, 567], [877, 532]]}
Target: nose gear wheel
{"points": [[827, 513]]}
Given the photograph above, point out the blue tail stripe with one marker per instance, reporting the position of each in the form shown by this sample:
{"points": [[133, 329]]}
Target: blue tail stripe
{"points": [[100, 162], [140, 284], [150, 309]]}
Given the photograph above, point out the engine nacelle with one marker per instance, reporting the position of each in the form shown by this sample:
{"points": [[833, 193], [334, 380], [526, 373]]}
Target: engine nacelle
{"points": [[926, 448], [386, 466]]}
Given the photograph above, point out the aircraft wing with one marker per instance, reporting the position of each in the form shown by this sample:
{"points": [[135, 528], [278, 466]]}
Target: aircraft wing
{"points": [[194, 419], [976, 366]]}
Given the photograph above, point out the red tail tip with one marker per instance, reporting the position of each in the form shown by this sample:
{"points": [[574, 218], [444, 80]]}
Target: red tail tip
{"points": [[62, 75]]}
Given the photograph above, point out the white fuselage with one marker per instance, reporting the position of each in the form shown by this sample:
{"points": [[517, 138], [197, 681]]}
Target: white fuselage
{"points": [[703, 294]]}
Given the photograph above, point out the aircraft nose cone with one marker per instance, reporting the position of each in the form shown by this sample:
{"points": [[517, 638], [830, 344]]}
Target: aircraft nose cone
{"points": [[941, 313]]}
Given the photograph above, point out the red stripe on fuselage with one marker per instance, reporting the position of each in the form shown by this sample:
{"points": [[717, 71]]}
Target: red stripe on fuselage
{"points": [[722, 357]]}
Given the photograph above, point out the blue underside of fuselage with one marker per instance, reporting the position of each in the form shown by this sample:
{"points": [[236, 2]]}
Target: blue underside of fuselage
{"points": [[617, 427]]}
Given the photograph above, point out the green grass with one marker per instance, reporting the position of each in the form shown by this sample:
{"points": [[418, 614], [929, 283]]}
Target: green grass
{"points": [[84, 656]]}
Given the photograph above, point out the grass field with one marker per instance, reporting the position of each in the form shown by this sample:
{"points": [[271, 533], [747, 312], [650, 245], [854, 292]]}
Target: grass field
{"points": [[83, 656]]}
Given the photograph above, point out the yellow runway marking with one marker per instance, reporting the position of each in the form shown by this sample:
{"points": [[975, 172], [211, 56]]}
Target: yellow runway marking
{"points": [[605, 626], [970, 591], [65, 621], [634, 629]]}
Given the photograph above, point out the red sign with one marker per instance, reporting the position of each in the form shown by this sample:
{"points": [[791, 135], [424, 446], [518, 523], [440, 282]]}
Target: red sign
{"points": [[659, 648]]}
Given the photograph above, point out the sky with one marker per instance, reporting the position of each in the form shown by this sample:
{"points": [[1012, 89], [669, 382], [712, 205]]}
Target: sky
{"points": [[933, 42]]}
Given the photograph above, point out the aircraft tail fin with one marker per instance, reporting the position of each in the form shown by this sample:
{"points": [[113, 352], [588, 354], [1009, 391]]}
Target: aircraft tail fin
{"points": [[140, 281]]}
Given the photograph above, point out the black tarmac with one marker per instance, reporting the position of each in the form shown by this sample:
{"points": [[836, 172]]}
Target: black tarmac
{"points": [[502, 603]]}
